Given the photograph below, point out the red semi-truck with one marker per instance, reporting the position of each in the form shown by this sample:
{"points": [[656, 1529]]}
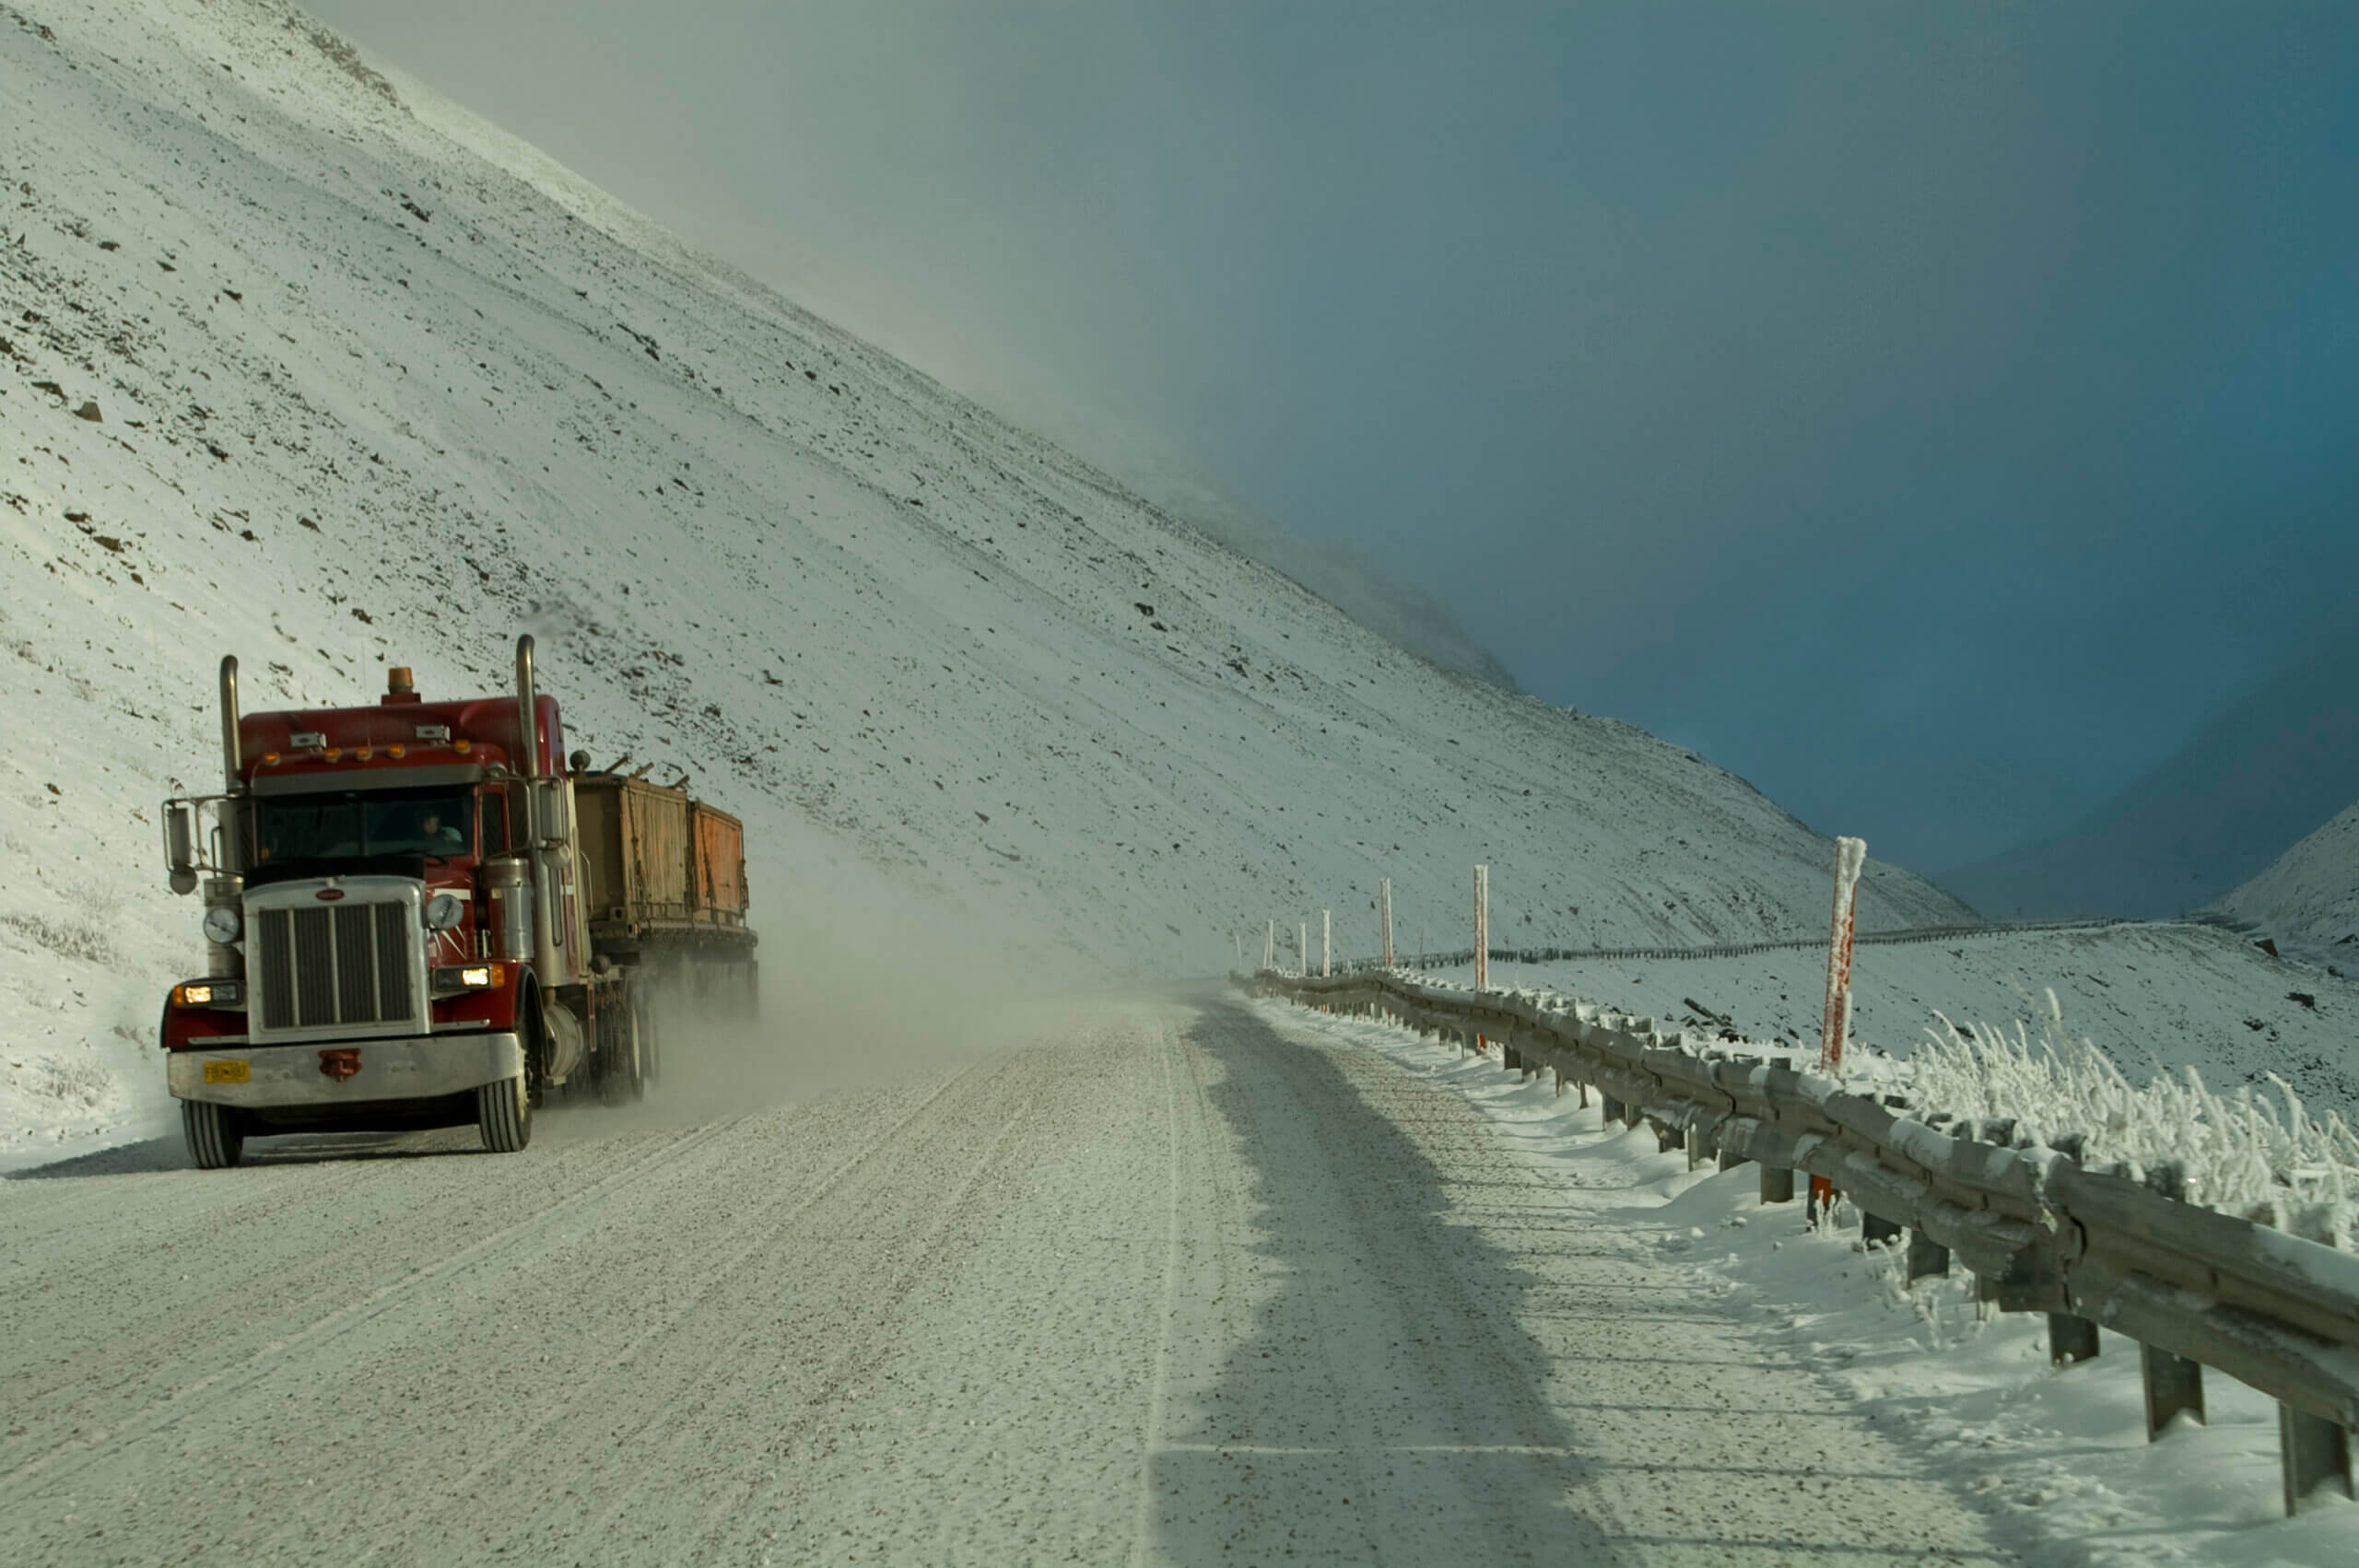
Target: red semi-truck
{"points": [[422, 914]]}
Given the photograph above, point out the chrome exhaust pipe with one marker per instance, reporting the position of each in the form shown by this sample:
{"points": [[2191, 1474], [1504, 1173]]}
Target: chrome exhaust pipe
{"points": [[233, 768], [232, 755], [528, 721], [547, 953]]}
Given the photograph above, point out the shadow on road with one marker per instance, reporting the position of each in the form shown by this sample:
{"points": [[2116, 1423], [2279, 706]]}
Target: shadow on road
{"points": [[1386, 1407]]}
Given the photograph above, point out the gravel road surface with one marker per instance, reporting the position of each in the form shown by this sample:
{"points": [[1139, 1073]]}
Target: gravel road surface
{"points": [[1171, 1284]]}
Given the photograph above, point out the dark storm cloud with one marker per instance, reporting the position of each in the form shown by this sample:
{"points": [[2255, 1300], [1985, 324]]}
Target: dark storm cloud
{"points": [[1931, 412]]}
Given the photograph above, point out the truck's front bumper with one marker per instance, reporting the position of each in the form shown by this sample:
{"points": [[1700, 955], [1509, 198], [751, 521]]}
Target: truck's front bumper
{"points": [[258, 1077]]}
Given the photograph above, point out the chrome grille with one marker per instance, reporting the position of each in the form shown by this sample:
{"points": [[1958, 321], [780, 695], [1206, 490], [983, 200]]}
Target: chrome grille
{"points": [[335, 964]]}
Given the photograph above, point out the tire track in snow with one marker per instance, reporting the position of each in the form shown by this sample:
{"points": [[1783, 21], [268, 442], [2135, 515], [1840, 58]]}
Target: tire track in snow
{"points": [[797, 1204], [51, 1468], [1142, 1523]]}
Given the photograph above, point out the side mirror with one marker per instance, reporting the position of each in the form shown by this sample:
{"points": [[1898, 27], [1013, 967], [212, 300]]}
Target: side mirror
{"points": [[179, 845], [550, 828]]}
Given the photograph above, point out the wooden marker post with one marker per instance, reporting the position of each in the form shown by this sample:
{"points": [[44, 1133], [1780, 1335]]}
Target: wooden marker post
{"points": [[1850, 858], [1326, 943], [1384, 903], [1481, 938]]}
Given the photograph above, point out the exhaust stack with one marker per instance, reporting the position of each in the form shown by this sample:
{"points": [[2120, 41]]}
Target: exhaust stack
{"points": [[544, 818], [232, 756], [529, 731], [233, 768]]}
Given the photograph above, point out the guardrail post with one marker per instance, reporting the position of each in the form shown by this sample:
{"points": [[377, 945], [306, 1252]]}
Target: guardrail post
{"points": [[2173, 1384], [2317, 1454], [2070, 1339], [1875, 1230], [1731, 1160], [1926, 1256], [1776, 1184], [1668, 1138]]}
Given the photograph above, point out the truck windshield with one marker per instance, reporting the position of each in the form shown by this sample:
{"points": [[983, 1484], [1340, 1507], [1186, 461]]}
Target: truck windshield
{"points": [[356, 825]]}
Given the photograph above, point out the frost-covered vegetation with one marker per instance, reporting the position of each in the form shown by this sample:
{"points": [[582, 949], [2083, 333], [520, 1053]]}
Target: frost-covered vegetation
{"points": [[2262, 1156], [2256, 1154]]}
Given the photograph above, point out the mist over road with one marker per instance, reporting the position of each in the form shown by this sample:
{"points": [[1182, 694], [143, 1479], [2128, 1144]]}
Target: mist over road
{"points": [[1164, 1285]]}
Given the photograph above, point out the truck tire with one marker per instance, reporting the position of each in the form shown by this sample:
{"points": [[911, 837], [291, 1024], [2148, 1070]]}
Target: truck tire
{"points": [[650, 1038], [216, 1138], [621, 1078], [504, 1115]]}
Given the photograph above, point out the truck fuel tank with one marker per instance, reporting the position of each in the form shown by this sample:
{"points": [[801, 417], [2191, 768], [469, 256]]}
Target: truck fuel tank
{"points": [[507, 887]]}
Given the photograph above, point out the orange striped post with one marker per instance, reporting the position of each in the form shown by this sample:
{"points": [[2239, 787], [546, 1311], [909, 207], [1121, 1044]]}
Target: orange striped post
{"points": [[1482, 939], [1850, 858]]}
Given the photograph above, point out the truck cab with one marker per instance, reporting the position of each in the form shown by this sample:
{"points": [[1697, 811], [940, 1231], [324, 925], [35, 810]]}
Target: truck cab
{"points": [[394, 925]]}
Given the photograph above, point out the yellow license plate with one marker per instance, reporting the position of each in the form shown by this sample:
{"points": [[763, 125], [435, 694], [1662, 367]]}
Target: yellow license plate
{"points": [[227, 1072]]}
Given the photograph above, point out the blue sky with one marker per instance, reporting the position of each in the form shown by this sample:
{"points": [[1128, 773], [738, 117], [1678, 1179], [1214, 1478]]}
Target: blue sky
{"points": [[1931, 412]]}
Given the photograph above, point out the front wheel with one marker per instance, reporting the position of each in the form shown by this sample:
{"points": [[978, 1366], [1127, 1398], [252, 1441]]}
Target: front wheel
{"points": [[504, 1115], [216, 1138]]}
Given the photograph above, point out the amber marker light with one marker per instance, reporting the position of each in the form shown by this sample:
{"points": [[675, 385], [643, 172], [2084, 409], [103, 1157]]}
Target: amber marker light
{"points": [[397, 750]]}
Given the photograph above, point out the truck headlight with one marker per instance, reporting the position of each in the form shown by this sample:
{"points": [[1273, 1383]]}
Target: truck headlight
{"points": [[208, 993], [443, 911], [451, 978], [222, 924]]}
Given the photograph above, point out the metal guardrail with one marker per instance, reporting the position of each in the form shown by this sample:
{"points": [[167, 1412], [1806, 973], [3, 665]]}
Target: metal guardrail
{"points": [[2196, 1288]]}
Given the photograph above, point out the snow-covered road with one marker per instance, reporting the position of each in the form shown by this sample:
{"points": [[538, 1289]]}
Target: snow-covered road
{"points": [[1173, 1282]]}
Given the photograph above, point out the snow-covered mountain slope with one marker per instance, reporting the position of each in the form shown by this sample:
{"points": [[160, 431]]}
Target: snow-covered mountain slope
{"points": [[369, 382], [2252, 780], [2308, 899]]}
